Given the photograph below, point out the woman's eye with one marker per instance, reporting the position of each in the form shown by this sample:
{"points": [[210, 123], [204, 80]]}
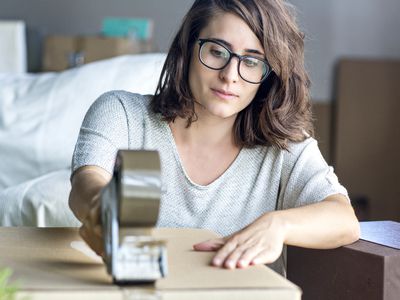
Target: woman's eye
{"points": [[219, 53], [251, 62]]}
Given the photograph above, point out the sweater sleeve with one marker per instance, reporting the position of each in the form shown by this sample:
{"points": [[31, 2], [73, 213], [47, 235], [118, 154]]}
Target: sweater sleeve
{"points": [[104, 130], [306, 177]]}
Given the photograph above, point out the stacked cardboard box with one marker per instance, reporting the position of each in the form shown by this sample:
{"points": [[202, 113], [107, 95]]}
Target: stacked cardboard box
{"points": [[63, 52]]}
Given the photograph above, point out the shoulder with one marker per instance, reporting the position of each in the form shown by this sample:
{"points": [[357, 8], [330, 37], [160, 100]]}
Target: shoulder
{"points": [[124, 98], [295, 149], [301, 151], [121, 103]]}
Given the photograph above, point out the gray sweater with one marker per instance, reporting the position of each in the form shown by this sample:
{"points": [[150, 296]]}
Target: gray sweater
{"points": [[261, 179]]}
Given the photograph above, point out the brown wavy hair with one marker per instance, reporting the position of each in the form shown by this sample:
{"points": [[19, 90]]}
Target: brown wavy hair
{"points": [[281, 110]]}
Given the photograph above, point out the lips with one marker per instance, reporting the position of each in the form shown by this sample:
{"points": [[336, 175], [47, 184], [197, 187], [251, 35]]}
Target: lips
{"points": [[224, 94]]}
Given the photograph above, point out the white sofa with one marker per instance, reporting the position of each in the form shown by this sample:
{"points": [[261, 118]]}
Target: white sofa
{"points": [[40, 117]]}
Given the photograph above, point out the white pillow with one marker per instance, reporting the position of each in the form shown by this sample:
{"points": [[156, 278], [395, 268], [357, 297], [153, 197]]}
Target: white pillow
{"points": [[40, 114]]}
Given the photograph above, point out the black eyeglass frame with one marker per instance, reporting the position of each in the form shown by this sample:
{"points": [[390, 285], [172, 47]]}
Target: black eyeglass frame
{"points": [[201, 42]]}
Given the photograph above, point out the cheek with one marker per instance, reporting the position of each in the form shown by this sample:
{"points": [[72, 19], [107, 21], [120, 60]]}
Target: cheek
{"points": [[199, 79], [194, 77], [251, 93]]}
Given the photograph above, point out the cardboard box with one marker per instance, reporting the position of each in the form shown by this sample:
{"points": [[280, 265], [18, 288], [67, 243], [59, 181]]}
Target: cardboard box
{"points": [[366, 144], [47, 267], [362, 270], [63, 52]]}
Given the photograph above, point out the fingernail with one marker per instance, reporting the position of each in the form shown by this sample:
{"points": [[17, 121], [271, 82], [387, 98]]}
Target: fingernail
{"points": [[230, 264], [243, 263], [216, 262]]}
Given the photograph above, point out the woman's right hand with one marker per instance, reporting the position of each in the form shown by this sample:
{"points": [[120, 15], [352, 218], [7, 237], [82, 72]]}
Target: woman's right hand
{"points": [[84, 200], [91, 230]]}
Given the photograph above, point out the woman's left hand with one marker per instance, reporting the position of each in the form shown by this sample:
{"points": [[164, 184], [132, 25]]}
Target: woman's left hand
{"points": [[259, 243]]}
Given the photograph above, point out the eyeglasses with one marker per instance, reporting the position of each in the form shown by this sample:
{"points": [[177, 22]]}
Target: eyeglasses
{"points": [[216, 56]]}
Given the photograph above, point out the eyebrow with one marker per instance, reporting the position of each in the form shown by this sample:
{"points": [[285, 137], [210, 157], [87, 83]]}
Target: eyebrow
{"points": [[229, 45]]}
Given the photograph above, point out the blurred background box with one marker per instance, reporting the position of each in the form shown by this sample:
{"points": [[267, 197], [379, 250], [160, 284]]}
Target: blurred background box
{"points": [[365, 144], [138, 28], [12, 47], [63, 52]]}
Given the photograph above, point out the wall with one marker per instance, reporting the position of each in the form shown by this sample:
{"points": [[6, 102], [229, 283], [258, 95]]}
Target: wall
{"points": [[334, 28], [337, 28], [85, 17]]}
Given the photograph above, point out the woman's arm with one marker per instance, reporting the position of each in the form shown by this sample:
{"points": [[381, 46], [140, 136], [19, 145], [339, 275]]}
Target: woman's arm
{"points": [[325, 225], [328, 224], [86, 183], [84, 201]]}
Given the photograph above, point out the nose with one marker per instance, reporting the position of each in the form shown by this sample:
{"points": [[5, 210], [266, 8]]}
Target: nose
{"points": [[230, 72]]}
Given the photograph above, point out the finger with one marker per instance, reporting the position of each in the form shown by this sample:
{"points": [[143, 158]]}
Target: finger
{"points": [[92, 240], [97, 245], [247, 257], [210, 245], [82, 231], [95, 199], [94, 214], [224, 252], [98, 230], [85, 235], [232, 259]]}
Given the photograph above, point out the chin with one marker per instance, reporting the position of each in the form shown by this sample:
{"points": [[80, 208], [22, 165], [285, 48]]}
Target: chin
{"points": [[222, 113], [217, 108]]}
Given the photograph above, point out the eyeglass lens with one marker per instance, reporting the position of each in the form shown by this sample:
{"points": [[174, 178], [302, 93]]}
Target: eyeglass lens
{"points": [[216, 57]]}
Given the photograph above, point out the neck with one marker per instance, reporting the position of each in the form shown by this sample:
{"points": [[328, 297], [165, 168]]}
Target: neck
{"points": [[206, 131]]}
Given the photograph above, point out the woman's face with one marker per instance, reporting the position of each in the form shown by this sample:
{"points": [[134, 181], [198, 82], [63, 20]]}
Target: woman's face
{"points": [[223, 93]]}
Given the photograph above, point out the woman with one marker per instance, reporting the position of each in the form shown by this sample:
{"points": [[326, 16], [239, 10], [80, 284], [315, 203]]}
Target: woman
{"points": [[232, 123]]}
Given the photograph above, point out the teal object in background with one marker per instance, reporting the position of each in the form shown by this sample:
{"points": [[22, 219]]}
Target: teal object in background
{"points": [[140, 29]]}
